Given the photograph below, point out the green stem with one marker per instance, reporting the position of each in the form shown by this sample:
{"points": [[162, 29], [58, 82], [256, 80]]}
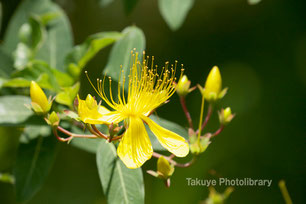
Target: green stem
{"points": [[283, 188], [201, 117]]}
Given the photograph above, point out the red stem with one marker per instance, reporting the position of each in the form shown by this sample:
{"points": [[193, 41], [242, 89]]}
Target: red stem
{"points": [[185, 109], [70, 134], [157, 155], [218, 131], [98, 132]]}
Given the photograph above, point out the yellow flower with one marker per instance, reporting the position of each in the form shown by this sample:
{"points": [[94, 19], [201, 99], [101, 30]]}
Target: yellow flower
{"points": [[40, 103], [147, 90], [89, 111]]}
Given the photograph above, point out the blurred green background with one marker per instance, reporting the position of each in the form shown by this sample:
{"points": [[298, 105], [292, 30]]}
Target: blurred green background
{"points": [[261, 52]]}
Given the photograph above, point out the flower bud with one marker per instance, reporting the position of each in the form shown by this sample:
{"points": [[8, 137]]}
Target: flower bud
{"points": [[225, 116], [91, 102], [53, 119], [40, 103], [183, 85], [164, 169], [213, 85], [199, 146]]}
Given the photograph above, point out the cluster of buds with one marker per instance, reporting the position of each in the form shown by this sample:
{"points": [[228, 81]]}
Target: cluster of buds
{"points": [[212, 92]]}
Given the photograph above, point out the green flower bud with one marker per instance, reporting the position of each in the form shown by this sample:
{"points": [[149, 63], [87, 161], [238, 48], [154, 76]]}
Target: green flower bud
{"points": [[40, 103], [183, 86], [53, 119], [199, 146], [164, 169], [226, 116]]}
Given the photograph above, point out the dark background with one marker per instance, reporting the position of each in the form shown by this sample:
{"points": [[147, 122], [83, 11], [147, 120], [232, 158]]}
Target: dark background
{"points": [[261, 52]]}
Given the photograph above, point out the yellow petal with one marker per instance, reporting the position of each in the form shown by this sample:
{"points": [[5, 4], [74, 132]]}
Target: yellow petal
{"points": [[135, 147], [169, 140], [90, 115], [102, 110], [111, 117]]}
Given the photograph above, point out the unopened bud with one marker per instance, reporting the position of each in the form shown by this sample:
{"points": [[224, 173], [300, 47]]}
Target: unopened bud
{"points": [[164, 168], [183, 86], [40, 103], [199, 146], [225, 116], [213, 85], [91, 102], [53, 119]]}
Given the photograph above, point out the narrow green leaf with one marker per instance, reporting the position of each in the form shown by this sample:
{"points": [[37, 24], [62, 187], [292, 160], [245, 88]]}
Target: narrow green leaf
{"points": [[168, 125], [13, 110], [174, 12], [129, 5], [34, 161], [82, 54], [120, 184], [59, 36], [120, 53]]}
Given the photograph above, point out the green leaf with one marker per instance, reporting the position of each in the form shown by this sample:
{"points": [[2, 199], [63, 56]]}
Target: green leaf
{"points": [[168, 125], [40, 72], [22, 56], [34, 161], [105, 3], [82, 54], [6, 63], [59, 36], [32, 33], [120, 53], [13, 110], [120, 184], [129, 5], [67, 96], [33, 131], [9, 142], [89, 145], [174, 12]]}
